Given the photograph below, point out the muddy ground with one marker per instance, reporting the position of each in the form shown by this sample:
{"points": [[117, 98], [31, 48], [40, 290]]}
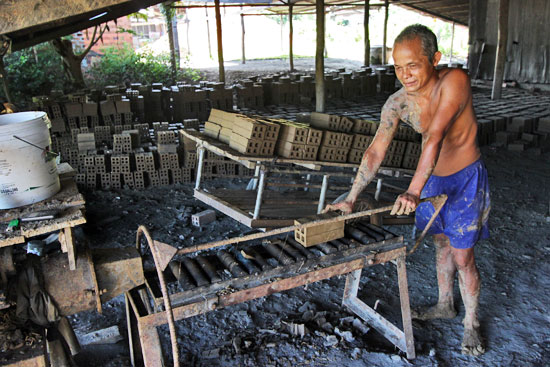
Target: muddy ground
{"points": [[514, 265]]}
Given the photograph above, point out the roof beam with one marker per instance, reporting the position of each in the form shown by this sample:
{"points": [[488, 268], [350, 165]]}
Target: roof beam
{"points": [[36, 34], [21, 14]]}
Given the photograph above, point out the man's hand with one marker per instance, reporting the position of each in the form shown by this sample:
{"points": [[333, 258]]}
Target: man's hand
{"points": [[406, 203], [344, 206]]}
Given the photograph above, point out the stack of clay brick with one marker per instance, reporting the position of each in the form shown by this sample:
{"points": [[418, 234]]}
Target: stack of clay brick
{"points": [[247, 135], [115, 111], [516, 133], [189, 102], [346, 139], [249, 95], [219, 96], [298, 141]]}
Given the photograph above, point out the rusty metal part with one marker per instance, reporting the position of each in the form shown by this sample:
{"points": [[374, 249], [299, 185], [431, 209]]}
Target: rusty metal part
{"points": [[72, 291], [230, 263], [117, 270], [99, 276], [211, 245], [167, 252], [438, 202], [169, 314], [281, 279], [195, 271]]}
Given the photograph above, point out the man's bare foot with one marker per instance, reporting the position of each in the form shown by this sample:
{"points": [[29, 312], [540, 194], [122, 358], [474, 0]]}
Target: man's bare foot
{"points": [[439, 311], [471, 342]]}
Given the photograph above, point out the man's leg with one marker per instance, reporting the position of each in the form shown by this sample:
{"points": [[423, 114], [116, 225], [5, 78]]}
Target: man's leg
{"points": [[470, 285], [446, 269]]}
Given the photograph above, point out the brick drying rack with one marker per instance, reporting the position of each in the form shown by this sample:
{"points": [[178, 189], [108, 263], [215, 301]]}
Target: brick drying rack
{"points": [[259, 208]]}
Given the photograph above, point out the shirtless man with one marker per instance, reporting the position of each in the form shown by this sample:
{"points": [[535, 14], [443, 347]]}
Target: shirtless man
{"points": [[438, 105]]}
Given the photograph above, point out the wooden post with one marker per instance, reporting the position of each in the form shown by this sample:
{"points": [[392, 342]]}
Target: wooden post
{"points": [[208, 32], [452, 42], [243, 57], [501, 49], [4, 78], [367, 38], [290, 37], [319, 57], [220, 47], [386, 4]]}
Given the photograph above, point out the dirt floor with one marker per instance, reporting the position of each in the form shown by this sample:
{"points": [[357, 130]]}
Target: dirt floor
{"points": [[513, 264], [235, 70]]}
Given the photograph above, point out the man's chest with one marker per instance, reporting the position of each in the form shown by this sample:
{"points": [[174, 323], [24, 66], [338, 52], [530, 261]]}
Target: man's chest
{"points": [[418, 113]]}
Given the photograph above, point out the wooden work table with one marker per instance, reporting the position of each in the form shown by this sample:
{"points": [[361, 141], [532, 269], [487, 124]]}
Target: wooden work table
{"points": [[68, 204]]}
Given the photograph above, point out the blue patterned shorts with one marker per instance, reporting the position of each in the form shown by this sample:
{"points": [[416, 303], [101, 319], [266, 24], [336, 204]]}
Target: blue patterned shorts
{"points": [[464, 216]]}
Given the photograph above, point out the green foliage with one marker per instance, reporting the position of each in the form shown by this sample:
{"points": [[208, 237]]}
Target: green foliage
{"points": [[167, 10], [284, 19], [33, 72], [121, 65]]}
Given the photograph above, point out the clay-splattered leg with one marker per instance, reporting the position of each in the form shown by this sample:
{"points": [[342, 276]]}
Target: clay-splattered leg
{"points": [[446, 269], [470, 285]]}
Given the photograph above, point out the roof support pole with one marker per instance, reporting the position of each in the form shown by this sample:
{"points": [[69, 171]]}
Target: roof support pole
{"points": [[452, 42], [367, 38], [4, 78], [319, 57], [290, 37], [243, 57], [501, 48], [386, 14], [220, 46], [208, 32]]}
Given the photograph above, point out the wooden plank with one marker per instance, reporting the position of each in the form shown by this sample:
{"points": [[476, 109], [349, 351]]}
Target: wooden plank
{"points": [[68, 196], [224, 207], [70, 218], [405, 306], [70, 246], [11, 238]]}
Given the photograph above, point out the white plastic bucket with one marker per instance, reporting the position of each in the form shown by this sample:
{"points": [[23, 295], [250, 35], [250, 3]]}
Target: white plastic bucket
{"points": [[27, 173]]}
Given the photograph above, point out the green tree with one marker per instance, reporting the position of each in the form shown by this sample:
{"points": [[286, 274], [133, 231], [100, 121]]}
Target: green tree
{"points": [[33, 71], [120, 65], [72, 62], [169, 14]]}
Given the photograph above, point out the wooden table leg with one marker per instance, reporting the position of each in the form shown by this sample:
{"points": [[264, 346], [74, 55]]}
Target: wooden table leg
{"points": [[405, 306], [68, 238]]}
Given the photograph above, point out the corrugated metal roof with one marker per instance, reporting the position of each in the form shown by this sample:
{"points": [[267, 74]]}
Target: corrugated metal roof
{"points": [[452, 10]]}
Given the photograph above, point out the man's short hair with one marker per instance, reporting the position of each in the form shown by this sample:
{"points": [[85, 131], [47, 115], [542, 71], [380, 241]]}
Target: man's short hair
{"points": [[427, 38]]}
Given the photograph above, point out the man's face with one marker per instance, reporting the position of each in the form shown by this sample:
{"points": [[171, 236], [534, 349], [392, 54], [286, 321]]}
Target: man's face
{"points": [[412, 67]]}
